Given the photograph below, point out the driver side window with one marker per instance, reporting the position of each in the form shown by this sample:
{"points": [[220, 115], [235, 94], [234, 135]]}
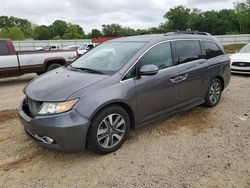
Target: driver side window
{"points": [[160, 55]]}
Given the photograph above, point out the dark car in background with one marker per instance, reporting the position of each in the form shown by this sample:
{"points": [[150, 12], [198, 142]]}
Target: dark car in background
{"points": [[123, 84]]}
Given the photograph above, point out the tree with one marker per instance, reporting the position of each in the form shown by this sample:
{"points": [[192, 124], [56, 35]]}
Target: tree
{"points": [[15, 34], [127, 31], [42, 33], [242, 11], [72, 35], [142, 31], [59, 28], [95, 33], [74, 32], [112, 30], [163, 28], [4, 33], [57, 38], [178, 18]]}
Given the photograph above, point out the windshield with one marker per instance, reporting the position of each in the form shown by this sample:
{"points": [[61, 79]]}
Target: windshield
{"points": [[108, 58], [83, 47], [245, 49]]}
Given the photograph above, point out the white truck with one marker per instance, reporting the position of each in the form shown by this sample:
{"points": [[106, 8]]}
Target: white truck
{"points": [[14, 63], [86, 47]]}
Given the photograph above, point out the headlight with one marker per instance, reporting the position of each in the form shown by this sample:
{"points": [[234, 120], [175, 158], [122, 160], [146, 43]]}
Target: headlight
{"points": [[56, 108]]}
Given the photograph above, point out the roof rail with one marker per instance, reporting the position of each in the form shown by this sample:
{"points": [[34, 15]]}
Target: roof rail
{"points": [[190, 32]]}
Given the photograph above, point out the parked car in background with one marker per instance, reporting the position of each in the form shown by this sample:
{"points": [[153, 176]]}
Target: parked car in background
{"points": [[72, 47], [86, 47], [50, 47], [241, 61], [14, 63], [123, 84]]}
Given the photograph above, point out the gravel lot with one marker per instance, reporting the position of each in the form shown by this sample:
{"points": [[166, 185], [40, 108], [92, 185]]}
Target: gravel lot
{"points": [[201, 148]]}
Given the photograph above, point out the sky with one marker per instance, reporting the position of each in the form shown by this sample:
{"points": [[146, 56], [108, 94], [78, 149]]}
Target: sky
{"points": [[93, 13]]}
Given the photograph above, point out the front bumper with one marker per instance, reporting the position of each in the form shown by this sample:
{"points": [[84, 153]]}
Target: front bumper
{"points": [[240, 70], [68, 130]]}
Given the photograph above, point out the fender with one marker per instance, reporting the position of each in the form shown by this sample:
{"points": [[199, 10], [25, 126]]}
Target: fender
{"points": [[48, 60], [130, 109]]}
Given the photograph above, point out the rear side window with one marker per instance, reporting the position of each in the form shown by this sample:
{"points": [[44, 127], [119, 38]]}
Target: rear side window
{"points": [[188, 50], [212, 50], [4, 48], [160, 55]]}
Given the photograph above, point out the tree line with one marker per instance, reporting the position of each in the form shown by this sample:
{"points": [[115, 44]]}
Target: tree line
{"points": [[225, 21]]}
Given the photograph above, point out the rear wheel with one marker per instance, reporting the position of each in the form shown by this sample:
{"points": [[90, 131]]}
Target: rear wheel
{"points": [[53, 66], [109, 130], [214, 93], [39, 73]]}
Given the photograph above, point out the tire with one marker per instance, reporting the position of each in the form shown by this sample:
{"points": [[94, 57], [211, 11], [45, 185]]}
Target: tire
{"points": [[39, 73], [53, 66], [104, 136], [213, 93]]}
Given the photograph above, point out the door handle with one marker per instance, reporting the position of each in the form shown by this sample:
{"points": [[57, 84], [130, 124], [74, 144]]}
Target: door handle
{"points": [[175, 79], [179, 78], [183, 77]]}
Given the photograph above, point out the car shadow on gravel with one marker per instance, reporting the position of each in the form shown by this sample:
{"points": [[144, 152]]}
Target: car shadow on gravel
{"points": [[193, 122], [241, 75]]}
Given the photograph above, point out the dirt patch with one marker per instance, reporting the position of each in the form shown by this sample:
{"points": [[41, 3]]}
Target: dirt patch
{"points": [[6, 115], [18, 163]]}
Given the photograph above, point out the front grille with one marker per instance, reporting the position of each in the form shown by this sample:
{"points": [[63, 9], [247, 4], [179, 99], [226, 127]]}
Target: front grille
{"points": [[236, 70], [34, 106], [241, 64]]}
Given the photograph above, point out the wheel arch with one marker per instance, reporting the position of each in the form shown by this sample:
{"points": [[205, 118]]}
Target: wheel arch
{"points": [[123, 105], [222, 81], [50, 61]]}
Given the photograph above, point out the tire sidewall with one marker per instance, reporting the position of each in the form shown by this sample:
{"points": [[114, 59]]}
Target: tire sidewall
{"points": [[92, 141], [53, 66]]}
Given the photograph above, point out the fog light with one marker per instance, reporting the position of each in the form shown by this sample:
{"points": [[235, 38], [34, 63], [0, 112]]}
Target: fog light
{"points": [[47, 140]]}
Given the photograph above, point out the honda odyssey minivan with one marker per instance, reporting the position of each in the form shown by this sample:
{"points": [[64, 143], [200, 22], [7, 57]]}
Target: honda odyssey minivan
{"points": [[123, 84]]}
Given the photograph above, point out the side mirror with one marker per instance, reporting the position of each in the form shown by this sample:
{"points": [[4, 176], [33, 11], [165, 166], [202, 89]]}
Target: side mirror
{"points": [[148, 70]]}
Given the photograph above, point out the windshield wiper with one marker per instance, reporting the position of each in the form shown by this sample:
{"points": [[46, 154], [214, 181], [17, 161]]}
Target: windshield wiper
{"points": [[86, 70]]}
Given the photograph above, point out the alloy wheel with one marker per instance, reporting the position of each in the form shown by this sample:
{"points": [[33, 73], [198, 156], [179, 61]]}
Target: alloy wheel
{"points": [[215, 92], [111, 131]]}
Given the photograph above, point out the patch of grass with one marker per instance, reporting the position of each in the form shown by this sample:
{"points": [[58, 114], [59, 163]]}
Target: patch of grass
{"points": [[230, 49]]}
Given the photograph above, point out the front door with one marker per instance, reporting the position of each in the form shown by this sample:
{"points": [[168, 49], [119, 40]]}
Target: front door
{"points": [[158, 94]]}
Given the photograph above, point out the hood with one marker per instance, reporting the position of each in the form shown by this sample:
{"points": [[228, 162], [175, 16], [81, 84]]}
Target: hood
{"points": [[60, 84], [241, 57]]}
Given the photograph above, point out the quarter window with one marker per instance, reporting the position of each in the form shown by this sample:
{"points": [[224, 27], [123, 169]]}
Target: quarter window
{"points": [[130, 74], [160, 55], [212, 50], [4, 48], [188, 51]]}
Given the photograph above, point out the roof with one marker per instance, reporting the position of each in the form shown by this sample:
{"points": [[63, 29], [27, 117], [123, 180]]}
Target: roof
{"points": [[168, 36]]}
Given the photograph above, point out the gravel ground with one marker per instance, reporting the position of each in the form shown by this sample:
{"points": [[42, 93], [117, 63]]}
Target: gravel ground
{"points": [[201, 148]]}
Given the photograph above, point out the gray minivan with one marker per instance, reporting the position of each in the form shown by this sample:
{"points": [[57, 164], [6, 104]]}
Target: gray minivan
{"points": [[123, 84]]}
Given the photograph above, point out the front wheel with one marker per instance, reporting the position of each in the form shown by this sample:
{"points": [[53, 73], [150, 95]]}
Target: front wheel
{"points": [[109, 130], [214, 93], [53, 66]]}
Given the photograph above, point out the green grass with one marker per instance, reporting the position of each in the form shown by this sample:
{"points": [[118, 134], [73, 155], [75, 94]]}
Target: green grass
{"points": [[230, 49]]}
